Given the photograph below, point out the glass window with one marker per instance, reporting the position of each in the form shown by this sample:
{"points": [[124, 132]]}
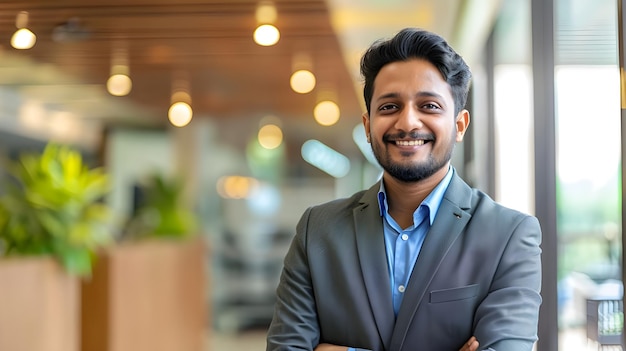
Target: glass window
{"points": [[588, 146], [513, 107]]}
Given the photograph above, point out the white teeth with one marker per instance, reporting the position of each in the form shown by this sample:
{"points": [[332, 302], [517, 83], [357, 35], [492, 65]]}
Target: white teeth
{"points": [[410, 142]]}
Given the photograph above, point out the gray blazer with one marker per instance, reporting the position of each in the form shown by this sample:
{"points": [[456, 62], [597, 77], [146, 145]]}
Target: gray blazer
{"points": [[478, 273]]}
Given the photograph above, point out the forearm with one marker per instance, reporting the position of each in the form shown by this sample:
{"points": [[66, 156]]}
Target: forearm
{"points": [[329, 347], [507, 318], [471, 345]]}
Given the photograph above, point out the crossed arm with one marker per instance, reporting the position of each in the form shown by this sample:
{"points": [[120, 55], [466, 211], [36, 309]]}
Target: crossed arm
{"points": [[470, 345]]}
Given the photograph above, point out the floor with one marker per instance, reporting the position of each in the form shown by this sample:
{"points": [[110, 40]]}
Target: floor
{"points": [[249, 340]]}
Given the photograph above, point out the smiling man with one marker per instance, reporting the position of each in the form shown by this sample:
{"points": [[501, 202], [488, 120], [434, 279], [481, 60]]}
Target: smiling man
{"points": [[420, 261]]}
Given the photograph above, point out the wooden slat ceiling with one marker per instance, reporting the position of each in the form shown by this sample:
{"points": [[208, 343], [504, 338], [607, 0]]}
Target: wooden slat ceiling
{"points": [[233, 81]]}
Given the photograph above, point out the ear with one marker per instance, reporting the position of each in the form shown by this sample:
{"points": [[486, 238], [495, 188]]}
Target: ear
{"points": [[366, 124], [462, 122]]}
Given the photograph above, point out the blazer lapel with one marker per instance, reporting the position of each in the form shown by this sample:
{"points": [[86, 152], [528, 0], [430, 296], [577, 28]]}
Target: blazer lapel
{"points": [[449, 223], [373, 260]]}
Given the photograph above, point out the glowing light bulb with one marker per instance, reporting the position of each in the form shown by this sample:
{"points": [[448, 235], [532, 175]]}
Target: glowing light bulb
{"points": [[270, 136], [302, 81], [119, 85], [326, 113], [23, 39], [266, 35], [180, 114]]}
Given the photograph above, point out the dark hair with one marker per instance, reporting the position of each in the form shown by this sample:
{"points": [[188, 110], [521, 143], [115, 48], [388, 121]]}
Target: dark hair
{"points": [[412, 43]]}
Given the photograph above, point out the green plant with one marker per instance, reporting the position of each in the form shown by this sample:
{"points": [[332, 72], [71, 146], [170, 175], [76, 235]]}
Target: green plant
{"points": [[53, 207], [162, 212]]}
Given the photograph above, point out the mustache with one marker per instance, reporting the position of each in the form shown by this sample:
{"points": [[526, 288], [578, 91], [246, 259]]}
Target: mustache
{"points": [[408, 135]]}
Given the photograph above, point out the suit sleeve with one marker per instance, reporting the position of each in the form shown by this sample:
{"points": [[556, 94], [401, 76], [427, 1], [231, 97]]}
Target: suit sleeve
{"points": [[295, 324], [506, 320]]}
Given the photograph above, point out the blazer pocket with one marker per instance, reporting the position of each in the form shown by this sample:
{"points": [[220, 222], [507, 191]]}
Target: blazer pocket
{"points": [[462, 293]]}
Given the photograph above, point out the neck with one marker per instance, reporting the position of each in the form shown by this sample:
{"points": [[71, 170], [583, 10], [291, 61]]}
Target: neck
{"points": [[404, 198]]}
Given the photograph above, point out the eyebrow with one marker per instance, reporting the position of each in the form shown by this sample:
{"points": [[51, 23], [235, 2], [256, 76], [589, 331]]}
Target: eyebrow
{"points": [[419, 94]]}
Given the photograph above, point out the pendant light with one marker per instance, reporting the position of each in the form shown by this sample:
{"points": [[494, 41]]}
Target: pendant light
{"points": [[23, 38], [119, 82], [180, 111], [302, 80], [326, 112], [266, 34]]}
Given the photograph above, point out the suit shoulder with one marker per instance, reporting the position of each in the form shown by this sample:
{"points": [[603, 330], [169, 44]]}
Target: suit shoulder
{"points": [[333, 207], [323, 219], [483, 204]]}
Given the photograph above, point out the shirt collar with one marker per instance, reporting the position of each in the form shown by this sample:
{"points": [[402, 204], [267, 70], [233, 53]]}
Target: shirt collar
{"points": [[432, 201]]}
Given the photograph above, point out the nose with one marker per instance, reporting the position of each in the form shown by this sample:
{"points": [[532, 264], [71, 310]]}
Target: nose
{"points": [[409, 119]]}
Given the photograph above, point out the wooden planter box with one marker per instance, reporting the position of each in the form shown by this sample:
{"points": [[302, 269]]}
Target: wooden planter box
{"points": [[39, 306], [147, 296]]}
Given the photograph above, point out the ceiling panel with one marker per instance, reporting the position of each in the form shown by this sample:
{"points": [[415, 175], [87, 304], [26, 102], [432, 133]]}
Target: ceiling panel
{"points": [[232, 80]]}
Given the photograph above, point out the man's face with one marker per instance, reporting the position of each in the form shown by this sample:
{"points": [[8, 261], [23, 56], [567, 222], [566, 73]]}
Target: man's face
{"points": [[411, 126]]}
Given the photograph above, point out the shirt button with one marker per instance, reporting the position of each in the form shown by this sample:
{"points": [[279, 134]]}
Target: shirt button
{"points": [[401, 288], [405, 237]]}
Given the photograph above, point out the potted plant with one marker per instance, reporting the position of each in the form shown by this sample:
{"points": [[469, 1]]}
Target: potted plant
{"points": [[52, 222], [161, 212], [148, 292]]}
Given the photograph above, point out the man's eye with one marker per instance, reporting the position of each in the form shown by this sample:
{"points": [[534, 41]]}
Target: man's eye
{"points": [[388, 107], [430, 106]]}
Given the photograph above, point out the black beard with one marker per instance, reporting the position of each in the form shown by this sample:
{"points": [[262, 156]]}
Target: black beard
{"points": [[410, 173]]}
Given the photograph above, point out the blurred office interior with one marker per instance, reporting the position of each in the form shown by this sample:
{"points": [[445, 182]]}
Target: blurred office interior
{"points": [[254, 153]]}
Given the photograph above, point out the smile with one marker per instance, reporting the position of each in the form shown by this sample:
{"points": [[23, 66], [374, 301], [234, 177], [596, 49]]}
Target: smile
{"points": [[410, 142]]}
